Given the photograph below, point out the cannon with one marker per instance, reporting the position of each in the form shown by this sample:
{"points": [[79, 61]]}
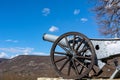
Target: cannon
{"points": [[75, 56]]}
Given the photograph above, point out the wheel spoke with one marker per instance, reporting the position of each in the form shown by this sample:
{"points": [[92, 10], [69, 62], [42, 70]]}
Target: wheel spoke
{"points": [[63, 47], [73, 46], [64, 64], [62, 53], [76, 70], [81, 64], [84, 57], [81, 69], [84, 49], [68, 43], [69, 68], [94, 70], [60, 59], [79, 44]]}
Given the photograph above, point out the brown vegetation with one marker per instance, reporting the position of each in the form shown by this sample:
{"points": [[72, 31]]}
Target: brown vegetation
{"points": [[26, 68]]}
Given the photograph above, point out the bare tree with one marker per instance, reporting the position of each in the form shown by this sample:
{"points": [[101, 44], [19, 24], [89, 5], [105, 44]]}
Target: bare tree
{"points": [[108, 17]]}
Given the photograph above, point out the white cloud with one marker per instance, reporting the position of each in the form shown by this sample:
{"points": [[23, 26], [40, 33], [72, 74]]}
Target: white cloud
{"points": [[53, 29], [84, 19], [13, 56], [76, 11], [17, 50], [26, 53], [46, 11], [3, 55], [10, 40], [39, 53]]}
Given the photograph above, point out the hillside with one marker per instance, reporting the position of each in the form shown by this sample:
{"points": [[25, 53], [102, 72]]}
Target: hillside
{"points": [[26, 67], [30, 67], [3, 59]]}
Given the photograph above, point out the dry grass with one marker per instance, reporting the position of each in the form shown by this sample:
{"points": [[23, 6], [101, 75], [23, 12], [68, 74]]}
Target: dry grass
{"points": [[10, 76]]}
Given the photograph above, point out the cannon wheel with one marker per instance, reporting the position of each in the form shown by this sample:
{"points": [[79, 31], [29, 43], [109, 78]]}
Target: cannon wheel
{"points": [[72, 55]]}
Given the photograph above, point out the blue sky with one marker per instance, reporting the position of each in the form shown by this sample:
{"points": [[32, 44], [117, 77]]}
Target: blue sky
{"points": [[23, 23]]}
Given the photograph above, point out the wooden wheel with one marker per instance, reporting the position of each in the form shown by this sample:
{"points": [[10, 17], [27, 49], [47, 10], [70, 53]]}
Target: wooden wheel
{"points": [[72, 55]]}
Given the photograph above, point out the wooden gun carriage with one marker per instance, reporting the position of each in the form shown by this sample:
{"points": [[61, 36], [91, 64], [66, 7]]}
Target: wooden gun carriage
{"points": [[75, 56]]}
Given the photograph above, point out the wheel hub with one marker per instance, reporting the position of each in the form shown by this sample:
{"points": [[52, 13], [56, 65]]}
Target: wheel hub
{"points": [[71, 55]]}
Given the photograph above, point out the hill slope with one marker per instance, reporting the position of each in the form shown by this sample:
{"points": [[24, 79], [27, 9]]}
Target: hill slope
{"points": [[26, 67], [3, 59]]}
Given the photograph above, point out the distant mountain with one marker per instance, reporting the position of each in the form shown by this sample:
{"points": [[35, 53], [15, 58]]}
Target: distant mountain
{"points": [[3, 59], [26, 67]]}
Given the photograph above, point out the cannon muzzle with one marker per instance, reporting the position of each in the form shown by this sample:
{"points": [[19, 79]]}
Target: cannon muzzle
{"points": [[49, 37], [53, 38]]}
